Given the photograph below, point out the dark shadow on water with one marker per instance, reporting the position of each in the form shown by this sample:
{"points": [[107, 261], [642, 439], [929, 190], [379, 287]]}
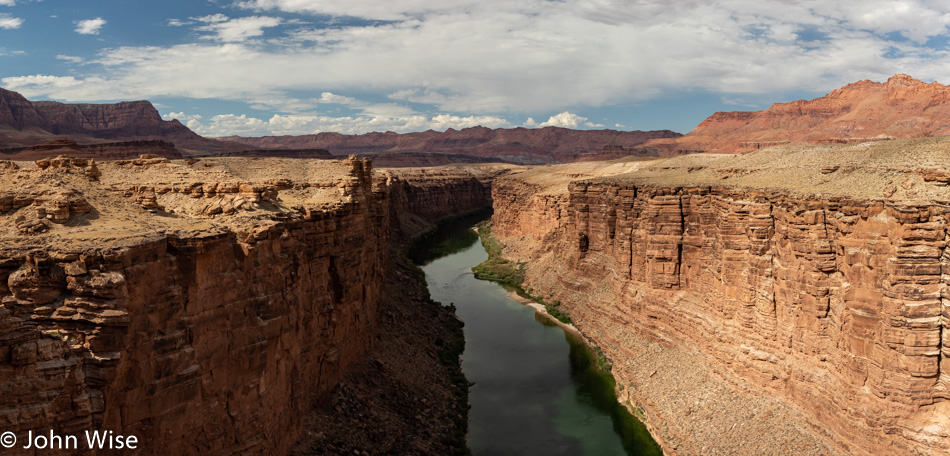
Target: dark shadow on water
{"points": [[598, 387], [450, 236], [566, 394]]}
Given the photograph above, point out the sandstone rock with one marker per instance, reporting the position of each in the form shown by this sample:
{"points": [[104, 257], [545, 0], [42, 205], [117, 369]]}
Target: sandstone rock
{"points": [[861, 112], [196, 335], [831, 302]]}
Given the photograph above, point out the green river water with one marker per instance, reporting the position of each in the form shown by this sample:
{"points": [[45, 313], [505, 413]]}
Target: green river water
{"points": [[537, 388]]}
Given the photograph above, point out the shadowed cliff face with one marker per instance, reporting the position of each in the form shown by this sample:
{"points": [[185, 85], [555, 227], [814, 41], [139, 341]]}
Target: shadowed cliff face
{"points": [[202, 315], [835, 303]]}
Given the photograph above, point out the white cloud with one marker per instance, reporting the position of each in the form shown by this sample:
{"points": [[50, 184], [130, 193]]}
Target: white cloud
{"points": [[181, 116], [41, 82], [369, 9], [9, 22], [212, 18], [231, 124], [327, 97], [90, 26], [7, 2], [177, 23], [566, 120], [69, 58], [230, 30], [498, 57], [445, 121]]}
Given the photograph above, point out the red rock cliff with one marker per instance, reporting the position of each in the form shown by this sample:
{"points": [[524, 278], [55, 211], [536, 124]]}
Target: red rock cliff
{"points": [[210, 339], [901, 107], [834, 303]]}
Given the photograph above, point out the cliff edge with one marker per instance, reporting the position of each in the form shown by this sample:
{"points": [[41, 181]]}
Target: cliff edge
{"points": [[789, 298]]}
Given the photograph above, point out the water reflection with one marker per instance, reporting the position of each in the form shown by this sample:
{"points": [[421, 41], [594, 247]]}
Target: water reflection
{"points": [[537, 389]]}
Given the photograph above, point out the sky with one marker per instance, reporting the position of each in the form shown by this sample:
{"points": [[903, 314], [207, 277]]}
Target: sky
{"points": [[279, 67]]}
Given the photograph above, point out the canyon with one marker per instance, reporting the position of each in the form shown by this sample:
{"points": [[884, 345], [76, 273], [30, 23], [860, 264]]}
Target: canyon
{"points": [[208, 305], [213, 295], [788, 301]]}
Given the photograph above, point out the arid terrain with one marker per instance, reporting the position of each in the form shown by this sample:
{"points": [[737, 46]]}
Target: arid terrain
{"points": [[901, 107], [786, 301], [209, 305]]}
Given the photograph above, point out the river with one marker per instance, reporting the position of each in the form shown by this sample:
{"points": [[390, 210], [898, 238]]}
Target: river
{"points": [[537, 389]]}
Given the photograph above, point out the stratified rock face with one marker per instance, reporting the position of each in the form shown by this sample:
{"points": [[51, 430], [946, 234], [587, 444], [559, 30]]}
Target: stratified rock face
{"points": [[902, 107], [30, 123], [128, 118], [836, 304], [17, 112], [196, 338], [517, 145]]}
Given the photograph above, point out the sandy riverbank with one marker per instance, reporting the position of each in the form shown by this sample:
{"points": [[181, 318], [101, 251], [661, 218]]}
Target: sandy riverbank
{"points": [[541, 310]]}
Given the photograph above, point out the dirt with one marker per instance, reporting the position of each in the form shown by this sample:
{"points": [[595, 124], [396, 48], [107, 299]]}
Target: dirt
{"points": [[408, 396]]}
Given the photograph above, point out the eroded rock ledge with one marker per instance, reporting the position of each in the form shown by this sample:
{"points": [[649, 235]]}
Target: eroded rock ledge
{"points": [[202, 306], [823, 286]]}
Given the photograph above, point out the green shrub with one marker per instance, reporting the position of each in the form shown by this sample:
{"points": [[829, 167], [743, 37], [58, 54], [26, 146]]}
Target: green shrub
{"points": [[496, 267]]}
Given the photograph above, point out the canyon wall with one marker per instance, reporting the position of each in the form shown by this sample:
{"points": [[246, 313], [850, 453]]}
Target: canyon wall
{"points": [[213, 340], [835, 304]]}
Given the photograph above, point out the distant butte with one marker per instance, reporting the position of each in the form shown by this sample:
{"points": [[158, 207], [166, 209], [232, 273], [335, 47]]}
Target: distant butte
{"points": [[902, 107], [24, 123]]}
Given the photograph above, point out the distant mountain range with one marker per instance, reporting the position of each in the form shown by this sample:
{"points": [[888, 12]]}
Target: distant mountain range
{"points": [[25, 123], [902, 107], [28, 128], [517, 145]]}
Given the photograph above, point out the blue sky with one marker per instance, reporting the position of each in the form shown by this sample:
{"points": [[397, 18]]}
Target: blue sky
{"points": [[260, 67]]}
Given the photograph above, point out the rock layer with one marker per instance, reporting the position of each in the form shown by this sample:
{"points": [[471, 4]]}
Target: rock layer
{"points": [[196, 336], [901, 107], [835, 303]]}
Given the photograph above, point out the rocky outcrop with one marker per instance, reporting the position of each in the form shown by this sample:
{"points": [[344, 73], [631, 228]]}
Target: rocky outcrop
{"points": [[515, 145], [17, 112], [833, 303], [196, 337], [29, 123], [902, 107]]}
